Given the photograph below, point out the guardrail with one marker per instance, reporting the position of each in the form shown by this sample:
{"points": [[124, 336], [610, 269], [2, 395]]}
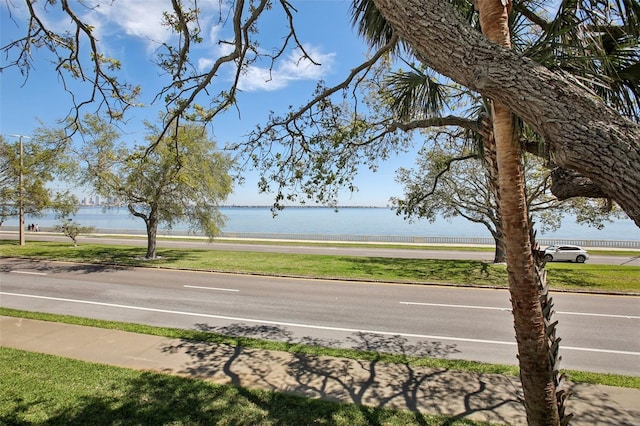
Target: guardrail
{"points": [[630, 244], [401, 239]]}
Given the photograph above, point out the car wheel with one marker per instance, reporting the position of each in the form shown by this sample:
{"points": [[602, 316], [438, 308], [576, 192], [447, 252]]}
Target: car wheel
{"points": [[548, 258], [580, 259]]}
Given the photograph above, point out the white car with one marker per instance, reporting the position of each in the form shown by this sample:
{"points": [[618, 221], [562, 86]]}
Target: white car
{"points": [[566, 253]]}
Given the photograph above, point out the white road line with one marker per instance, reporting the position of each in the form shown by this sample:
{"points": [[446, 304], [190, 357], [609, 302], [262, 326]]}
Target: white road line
{"points": [[212, 288], [444, 305], [491, 308], [604, 351], [587, 314], [28, 272], [292, 324]]}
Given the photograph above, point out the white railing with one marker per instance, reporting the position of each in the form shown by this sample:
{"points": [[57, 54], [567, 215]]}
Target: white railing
{"points": [[630, 244]]}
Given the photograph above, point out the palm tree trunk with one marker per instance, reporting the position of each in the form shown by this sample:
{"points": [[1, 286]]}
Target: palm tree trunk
{"points": [[493, 186], [536, 371]]}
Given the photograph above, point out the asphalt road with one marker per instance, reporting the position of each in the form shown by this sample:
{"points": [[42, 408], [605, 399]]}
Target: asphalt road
{"points": [[300, 248], [599, 333]]}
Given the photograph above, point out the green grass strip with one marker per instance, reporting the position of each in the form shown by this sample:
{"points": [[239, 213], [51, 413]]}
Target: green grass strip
{"points": [[561, 276], [46, 389], [209, 337]]}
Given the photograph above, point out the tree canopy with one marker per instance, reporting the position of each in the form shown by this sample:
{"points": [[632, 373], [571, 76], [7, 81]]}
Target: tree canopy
{"points": [[184, 179], [42, 162], [450, 180], [438, 36], [579, 128]]}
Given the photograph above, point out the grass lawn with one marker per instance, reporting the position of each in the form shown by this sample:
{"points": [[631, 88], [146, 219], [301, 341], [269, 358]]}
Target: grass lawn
{"points": [[561, 276], [45, 389]]}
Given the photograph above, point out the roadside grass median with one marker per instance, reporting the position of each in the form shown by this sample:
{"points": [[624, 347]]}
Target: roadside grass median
{"points": [[561, 276]]}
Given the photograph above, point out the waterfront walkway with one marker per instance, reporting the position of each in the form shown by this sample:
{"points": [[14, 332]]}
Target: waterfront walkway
{"points": [[484, 397]]}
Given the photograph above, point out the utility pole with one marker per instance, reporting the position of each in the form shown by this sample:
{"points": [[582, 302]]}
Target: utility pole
{"points": [[20, 198]]}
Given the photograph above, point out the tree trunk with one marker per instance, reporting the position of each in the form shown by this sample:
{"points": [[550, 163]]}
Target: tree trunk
{"points": [[500, 254], [151, 222], [582, 132], [536, 373], [152, 234]]}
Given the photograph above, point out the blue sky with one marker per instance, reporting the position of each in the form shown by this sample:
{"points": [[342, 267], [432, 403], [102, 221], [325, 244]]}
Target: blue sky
{"points": [[131, 32]]}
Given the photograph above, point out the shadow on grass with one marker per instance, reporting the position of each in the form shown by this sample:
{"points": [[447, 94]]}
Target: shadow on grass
{"points": [[372, 385], [42, 266], [77, 393], [458, 271], [70, 392], [94, 259], [570, 279], [154, 399]]}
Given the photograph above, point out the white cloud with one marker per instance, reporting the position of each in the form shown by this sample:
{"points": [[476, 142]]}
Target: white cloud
{"points": [[141, 19], [220, 49], [256, 79], [292, 68]]}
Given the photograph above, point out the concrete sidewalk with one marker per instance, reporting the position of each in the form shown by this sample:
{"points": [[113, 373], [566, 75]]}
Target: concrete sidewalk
{"points": [[485, 397]]}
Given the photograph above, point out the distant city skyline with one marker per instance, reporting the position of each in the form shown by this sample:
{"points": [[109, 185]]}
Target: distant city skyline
{"points": [[98, 201], [90, 201]]}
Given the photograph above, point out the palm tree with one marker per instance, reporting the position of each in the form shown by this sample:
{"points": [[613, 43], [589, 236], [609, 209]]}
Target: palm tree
{"points": [[535, 333], [607, 69], [536, 368], [417, 95], [605, 62]]}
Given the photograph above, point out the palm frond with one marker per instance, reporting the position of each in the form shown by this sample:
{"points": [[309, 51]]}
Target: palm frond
{"points": [[370, 23], [416, 94], [596, 42]]}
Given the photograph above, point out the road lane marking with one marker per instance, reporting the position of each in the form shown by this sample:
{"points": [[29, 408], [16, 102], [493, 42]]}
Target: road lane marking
{"points": [[211, 288], [604, 351], [28, 272], [491, 308], [300, 325], [444, 305], [587, 314], [252, 320]]}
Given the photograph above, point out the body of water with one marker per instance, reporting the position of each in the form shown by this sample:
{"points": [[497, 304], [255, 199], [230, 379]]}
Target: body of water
{"points": [[326, 221]]}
